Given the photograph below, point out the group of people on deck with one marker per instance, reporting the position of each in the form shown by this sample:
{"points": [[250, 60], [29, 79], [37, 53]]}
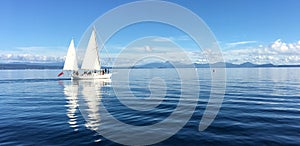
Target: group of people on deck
{"points": [[105, 71], [102, 72]]}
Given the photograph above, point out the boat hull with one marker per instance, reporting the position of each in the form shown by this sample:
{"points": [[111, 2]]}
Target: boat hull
{"points": [[91, 76]]}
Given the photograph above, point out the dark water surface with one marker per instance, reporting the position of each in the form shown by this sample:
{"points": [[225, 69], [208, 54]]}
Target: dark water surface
{"points": [[260, 106]]}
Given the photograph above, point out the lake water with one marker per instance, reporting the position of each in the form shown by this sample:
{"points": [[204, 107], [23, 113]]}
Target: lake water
{"points": [[260, 106]]}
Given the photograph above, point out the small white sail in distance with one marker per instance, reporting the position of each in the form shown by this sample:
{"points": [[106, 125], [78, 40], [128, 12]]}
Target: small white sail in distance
{"points": [[91, 57], [71, 59]]}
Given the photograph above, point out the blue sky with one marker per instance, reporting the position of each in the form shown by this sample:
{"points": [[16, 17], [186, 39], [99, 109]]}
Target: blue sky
{"points": [[257, 30]]}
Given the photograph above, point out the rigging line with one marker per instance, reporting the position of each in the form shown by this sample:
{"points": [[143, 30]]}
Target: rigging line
{"points": [[103, 46], [94, 28]]}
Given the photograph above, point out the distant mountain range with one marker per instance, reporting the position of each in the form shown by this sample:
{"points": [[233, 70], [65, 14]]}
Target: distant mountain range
{"points": [[216, 65], [59, 65], [27, 65]]}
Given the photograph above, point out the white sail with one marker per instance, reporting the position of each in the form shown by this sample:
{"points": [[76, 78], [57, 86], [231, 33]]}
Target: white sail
{"points": [[91, 58], [71, 59]]}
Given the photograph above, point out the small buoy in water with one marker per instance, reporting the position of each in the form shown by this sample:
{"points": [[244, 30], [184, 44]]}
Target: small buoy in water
{"points": [[213, 70]]}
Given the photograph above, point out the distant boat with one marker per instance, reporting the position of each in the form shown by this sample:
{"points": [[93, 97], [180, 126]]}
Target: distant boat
{"points": [[90, 68]]}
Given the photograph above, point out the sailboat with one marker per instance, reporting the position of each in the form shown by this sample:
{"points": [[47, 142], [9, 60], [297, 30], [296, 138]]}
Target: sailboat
{"points": [[91, 62]]}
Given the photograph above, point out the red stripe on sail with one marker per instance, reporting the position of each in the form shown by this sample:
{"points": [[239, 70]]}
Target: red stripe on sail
{"points": [[60, 74]]}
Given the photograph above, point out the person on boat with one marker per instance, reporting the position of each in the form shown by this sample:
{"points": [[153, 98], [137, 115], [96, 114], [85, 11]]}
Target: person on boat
{"points": [[75, 73]]}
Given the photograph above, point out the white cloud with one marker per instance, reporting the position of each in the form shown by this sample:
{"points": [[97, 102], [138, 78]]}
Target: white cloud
{"points": [[233, 44], [42, 50], [174, 39], [181, 38], [6, 58], [161, 39], [148, 48], [278, 52], [135, 55], [34, 54], [284, 48]]}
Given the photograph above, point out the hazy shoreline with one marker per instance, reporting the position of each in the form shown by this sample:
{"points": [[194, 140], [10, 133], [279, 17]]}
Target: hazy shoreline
{"points": [[24, 66]]}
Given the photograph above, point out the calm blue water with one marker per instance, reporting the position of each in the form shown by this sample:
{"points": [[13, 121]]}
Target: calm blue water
{"points": [[261, 106]]}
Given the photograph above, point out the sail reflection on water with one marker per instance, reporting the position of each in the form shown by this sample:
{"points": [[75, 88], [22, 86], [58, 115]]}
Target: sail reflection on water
{"points": [[91, 98], [88, 100], [71, 93], [87, 95]]}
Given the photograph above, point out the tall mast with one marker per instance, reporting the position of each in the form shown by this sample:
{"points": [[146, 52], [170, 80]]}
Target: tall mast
{"points": [[97, 47]]}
